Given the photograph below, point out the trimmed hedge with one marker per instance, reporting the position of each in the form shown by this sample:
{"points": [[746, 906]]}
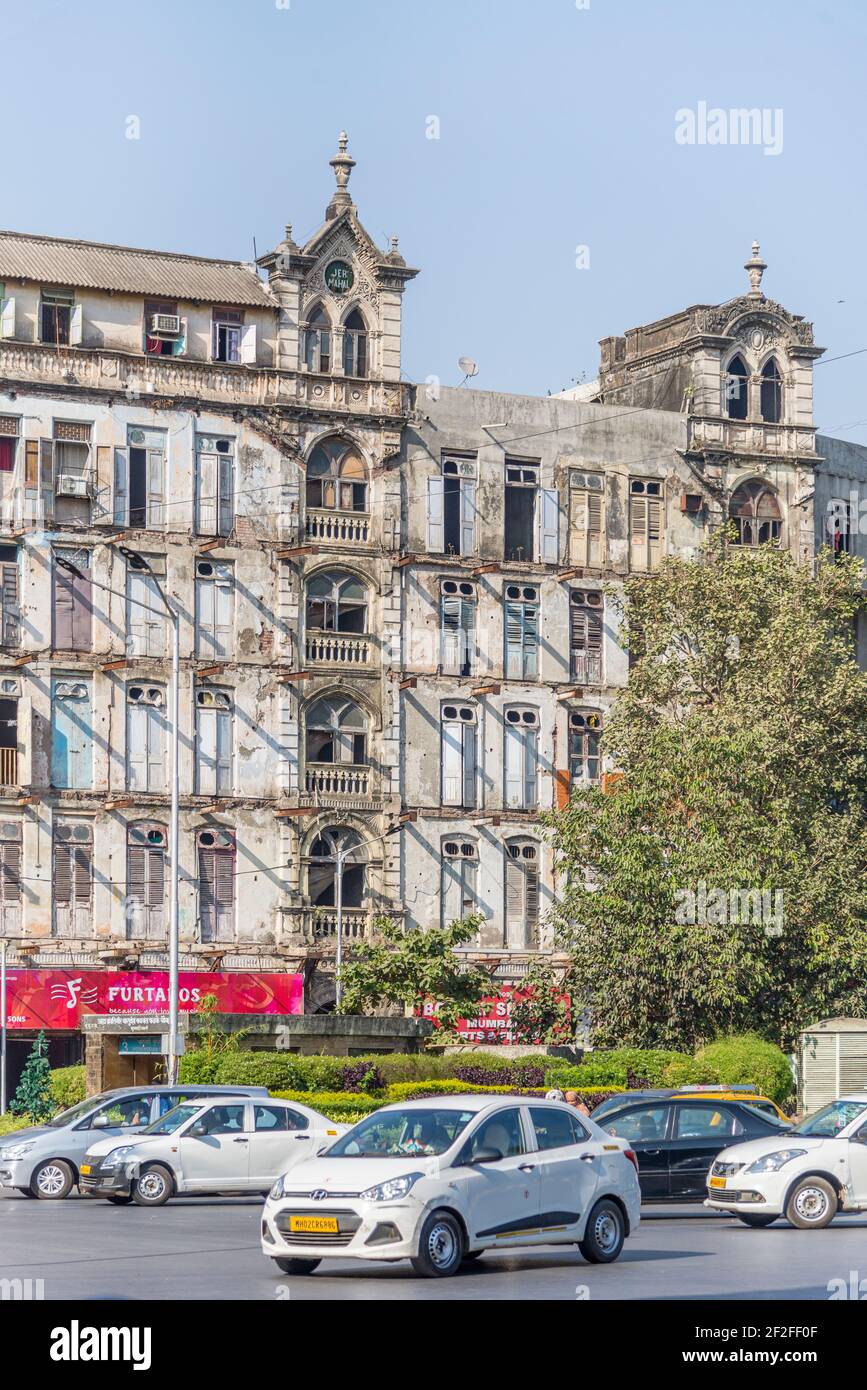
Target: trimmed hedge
{"points": [[750, 1059], [68, 1085], [347, 1108]]}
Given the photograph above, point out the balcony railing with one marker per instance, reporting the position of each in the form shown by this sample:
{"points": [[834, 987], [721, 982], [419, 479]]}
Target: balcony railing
{"points": [[113, 368], [8, 767], [357, 922], [336, 779], [339, 528], [750, 436], [587, 668], [337, 649]]}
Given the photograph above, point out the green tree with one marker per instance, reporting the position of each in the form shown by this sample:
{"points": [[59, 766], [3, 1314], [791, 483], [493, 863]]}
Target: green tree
{"points": [[542, 1010], [413, 968], [33, 1096], [743, 741]]}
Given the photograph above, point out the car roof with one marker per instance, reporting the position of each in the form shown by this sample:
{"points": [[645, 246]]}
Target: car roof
{"points": [[472, 1100]]}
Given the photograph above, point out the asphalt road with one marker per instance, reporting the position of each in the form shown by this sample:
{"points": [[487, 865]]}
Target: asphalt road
{"points": [[203, 1248]]}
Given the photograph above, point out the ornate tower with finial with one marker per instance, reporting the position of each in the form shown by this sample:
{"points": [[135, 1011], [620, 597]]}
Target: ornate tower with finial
{"points": [[340, 298]]}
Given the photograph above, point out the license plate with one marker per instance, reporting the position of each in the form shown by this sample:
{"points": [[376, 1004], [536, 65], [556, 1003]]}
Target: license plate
{"points": [[717, 1182], [319, 1225], [85, 1168]]}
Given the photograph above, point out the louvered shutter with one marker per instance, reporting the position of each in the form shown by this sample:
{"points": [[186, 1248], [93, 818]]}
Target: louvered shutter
{"points": [[514, 765], [226, 496], [9, 598], [514, 901], [514, 641], [82, 875], [136, 861], [531, 885], [10, 872], [638, 533], [452, 762], [468, 517], [530, 641], [63, 606], [207, 906], [549, 526], [63, 874], [155, 752], [594, 647], [469, 764], [452, 609], [224, 595], [121, 487], [46, 477], [136, 747], [654, 532], [436, 515], [156, 878], [206, 518], [206, 752], [578, 641], [531, 745], [155, 488], [206, 616], [224, 750]]}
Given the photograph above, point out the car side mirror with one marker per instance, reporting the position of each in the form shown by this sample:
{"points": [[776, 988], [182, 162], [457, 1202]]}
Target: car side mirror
{"points": [[100, 1122], [197, 1131], [487, 1154]]}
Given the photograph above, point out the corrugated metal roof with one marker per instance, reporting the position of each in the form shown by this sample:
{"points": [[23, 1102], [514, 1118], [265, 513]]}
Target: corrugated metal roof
{"points": [[128, 270]]}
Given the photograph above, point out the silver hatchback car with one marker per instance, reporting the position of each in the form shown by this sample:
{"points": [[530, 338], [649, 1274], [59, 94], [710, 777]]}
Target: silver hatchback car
{"points": [[44, 1160]]}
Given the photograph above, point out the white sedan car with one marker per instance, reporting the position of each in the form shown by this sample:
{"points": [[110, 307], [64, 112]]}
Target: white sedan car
{"points": [[230, 1144], [806, 1174], [442, 1180]]}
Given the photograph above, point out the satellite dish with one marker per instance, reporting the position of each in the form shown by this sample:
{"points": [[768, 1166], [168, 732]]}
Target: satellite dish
{"points": [[468, 367]]}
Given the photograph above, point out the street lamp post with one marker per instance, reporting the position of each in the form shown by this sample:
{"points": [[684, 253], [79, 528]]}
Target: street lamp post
{"points": [[2, 1027], [139, 562]]}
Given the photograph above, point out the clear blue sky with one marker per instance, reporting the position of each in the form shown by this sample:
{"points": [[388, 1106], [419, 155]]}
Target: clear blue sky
{"points": [[556, 130]]}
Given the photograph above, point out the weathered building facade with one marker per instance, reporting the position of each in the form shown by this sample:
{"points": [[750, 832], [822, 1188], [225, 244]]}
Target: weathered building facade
{"points": [[396, 644]]}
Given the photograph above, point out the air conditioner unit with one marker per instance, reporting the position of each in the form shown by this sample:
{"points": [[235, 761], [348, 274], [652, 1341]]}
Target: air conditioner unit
{"points": [[69, 485], [165, 326], [691, 502]]}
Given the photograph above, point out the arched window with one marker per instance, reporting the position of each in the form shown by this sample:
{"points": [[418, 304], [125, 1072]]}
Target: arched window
{"points": [[772, 393], [737, 388], [337, 851], [521, 907], [756, 513], [336, 478], [336, 732], [336, 602], [146, 881], [317, 341], [355, 345]]}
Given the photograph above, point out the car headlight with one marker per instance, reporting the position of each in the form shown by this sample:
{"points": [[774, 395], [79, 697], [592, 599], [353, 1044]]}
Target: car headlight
{"points": [[17, 1150], [391, 1191], [772, 1163], [112, 1159], [277, 1190]]}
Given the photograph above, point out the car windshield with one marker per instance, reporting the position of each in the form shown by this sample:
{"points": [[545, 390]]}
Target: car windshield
{"points": [[399, 1133], [77, 1112], [173, 1119], [831, 1118]]}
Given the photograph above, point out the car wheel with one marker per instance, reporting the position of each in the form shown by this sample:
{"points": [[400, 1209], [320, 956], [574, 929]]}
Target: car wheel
{"points": [[53, 1181], [153, 1187], [295, 1266], [118, 1200], [604, 1233], [440, 1246], [812, 1204], [755, 1219]]}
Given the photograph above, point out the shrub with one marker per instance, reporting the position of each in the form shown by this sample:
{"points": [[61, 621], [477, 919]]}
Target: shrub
{"points": [[343, 1106], [614, 1068], [501, 1076], [10, 1122], [749, 1058], [67, 1086], [362, 1076]]}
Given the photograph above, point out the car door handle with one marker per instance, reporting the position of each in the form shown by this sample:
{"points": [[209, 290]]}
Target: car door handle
{"points": [[526, 1167], [299, 1137], [588, 1158], [240, 1141]]}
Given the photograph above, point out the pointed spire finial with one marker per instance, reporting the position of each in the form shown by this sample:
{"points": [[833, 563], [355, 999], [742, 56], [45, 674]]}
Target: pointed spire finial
{"points": [[343, 165], [755, 268]]}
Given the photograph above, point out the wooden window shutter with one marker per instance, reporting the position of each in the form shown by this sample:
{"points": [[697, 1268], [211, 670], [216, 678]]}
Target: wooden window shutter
{"points": [[63, 874], [10, 872]]}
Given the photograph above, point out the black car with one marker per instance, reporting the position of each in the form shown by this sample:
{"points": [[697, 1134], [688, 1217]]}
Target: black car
{"points": [[676, 1140]]}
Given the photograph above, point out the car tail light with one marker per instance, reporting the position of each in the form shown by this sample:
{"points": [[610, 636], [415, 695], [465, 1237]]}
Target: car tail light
{"points": [[630, 1154]]}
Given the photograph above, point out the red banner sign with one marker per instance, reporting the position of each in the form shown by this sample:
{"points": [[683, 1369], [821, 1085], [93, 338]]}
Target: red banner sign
{"points": [[493, 1021], [60, 998]]}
